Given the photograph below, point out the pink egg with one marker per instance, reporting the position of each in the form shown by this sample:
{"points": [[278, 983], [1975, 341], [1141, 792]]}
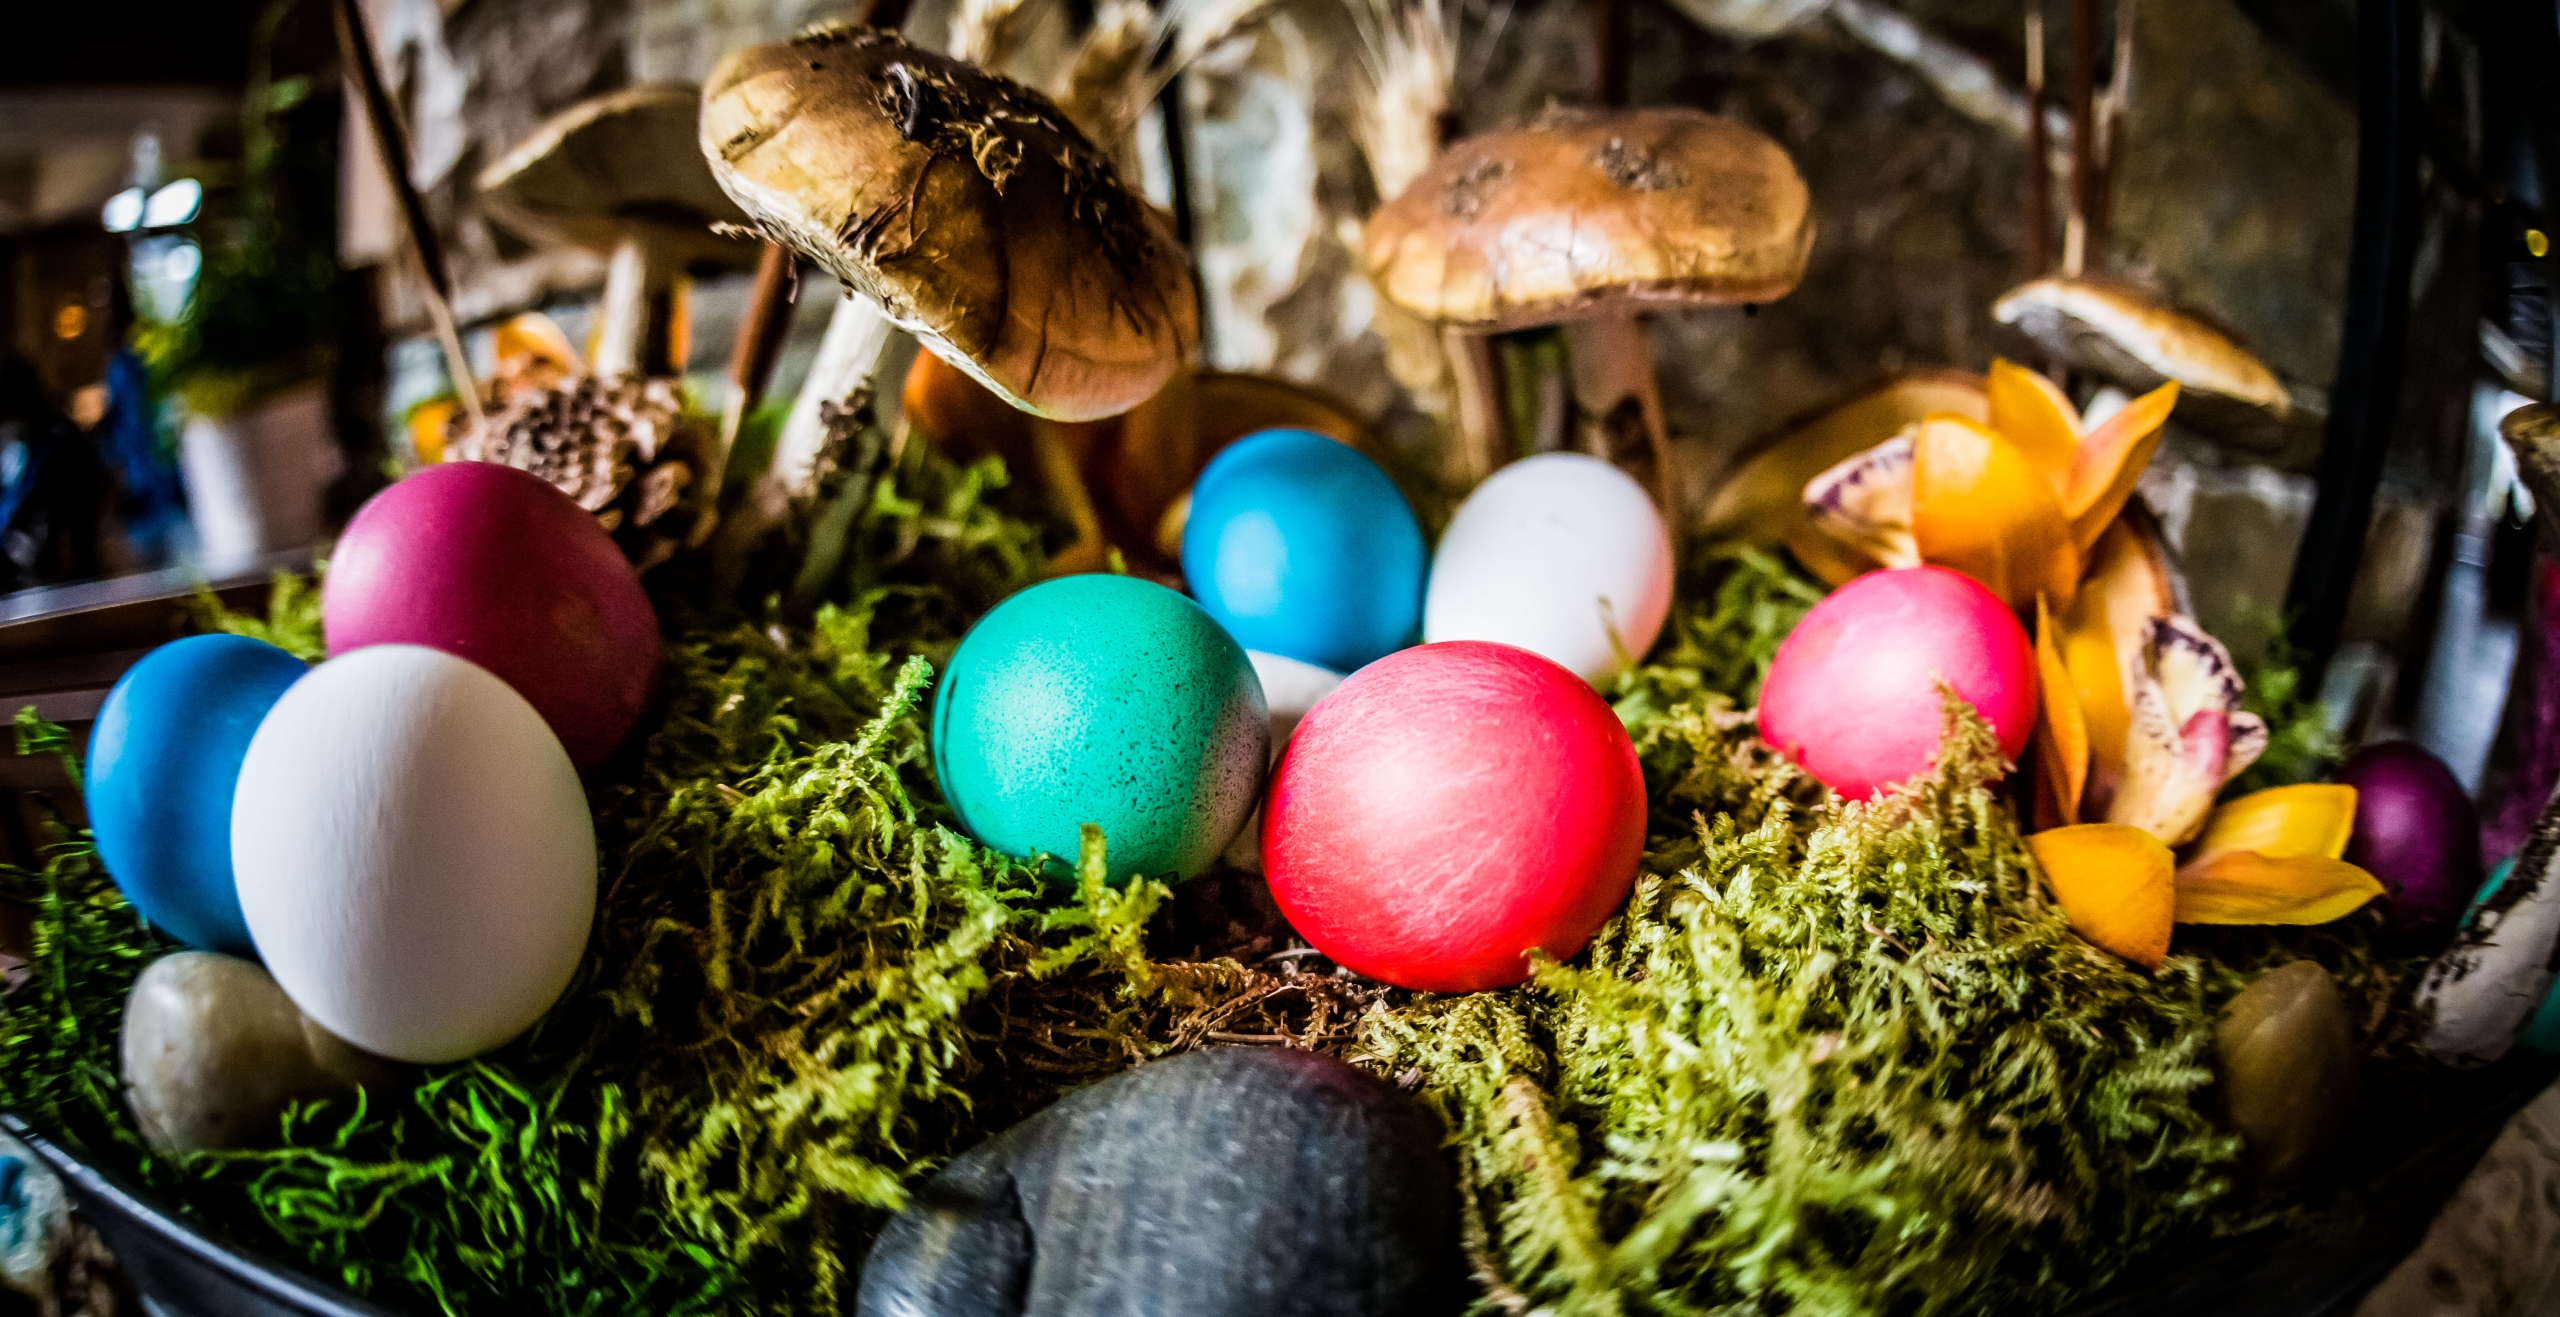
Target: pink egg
{"points": [[492, 564], [1853, 692]]}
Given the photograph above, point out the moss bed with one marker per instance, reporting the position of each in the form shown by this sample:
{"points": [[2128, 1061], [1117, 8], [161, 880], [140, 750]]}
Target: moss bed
{"points": [[1831, 1058]]}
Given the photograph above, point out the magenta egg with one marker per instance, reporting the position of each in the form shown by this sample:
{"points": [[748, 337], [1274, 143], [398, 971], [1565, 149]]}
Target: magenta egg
{"points": [[492, 564], [2416, 831], [1852, 694]]}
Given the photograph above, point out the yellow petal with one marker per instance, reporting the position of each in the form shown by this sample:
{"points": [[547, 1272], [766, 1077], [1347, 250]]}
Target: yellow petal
{"points": [[2062, 734], [427, 424], [2307, 819], [2102, 636], [1980, 507], [1834, 563], [2030, 412], [2244, 887], [1763, 500], [2116, 884], [532, 342], [2111, 459]]}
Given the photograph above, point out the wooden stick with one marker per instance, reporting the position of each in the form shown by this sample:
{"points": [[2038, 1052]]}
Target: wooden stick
{"points": [[2084, 84], [1609, 47], [2110, 145], [391, 143], [2039, 245]]}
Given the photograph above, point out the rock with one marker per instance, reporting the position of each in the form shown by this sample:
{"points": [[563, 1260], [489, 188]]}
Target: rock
{"points": [[214, 1051], [2286, 1054], [1238, 1182]]}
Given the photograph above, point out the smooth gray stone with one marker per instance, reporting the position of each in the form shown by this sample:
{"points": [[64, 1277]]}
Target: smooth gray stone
{"points": [[1238, 1182]]}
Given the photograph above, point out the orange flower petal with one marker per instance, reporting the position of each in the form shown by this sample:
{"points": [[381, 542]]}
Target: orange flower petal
{"points": [[2111, 459], [427, 424], [2062, 734], [1980, 507], [2307, 819], [2244, 887], [2117, 885], [1763, 500], [2102, 636], [2030, 412]]}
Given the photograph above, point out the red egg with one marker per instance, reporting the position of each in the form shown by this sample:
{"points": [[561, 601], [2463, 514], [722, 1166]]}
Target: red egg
{"points": [[1449, 809], [1853, 692], [492, 564]]}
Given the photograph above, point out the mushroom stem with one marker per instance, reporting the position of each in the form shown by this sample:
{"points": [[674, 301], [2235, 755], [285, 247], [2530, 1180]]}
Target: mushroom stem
{"points": [[1476, 378], [850, 351], [1618, 397], [638, 307]]}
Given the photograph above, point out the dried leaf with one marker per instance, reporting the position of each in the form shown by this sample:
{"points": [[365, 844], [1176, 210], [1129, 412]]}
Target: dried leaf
{"points": [[2188, 734], [2244, 887], [1979, 506], [1862, 505], [2115, 883], [2110, 460], [2062, 734], [2030, 412]]}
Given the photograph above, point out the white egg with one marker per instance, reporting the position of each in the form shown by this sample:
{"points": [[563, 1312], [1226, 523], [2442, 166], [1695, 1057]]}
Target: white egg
{"points": [[1290, 687], [1561, 554], [414, 854]]}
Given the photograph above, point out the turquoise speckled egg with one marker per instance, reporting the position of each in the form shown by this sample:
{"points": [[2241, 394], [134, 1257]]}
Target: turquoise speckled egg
{"points": [[1107, 700]]}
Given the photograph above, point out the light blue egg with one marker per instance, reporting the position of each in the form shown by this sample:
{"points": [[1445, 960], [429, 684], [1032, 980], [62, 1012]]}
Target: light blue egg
{"points": [[1300, 546], [2542, 1032], [164, 758]]}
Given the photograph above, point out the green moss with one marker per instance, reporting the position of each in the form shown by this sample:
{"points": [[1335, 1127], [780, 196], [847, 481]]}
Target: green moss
{"points": [[2301, 746]]}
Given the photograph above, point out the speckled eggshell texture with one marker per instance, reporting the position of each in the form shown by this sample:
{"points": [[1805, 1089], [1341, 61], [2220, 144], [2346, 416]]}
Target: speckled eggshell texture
{"points": [[164, 757], [1449, 809], [415, 855], [492, 564], [1561, 554], [1107, 700]]}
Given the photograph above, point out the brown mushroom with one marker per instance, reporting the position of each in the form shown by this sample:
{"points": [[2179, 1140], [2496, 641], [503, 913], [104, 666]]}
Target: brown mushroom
{"points": [[618, 175], [2137, 340], [966, 206], [1589, 218]]}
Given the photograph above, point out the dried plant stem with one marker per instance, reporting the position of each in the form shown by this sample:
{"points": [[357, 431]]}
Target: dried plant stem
{"points": [[391, 145], [2084, 82], [2039, 243]]}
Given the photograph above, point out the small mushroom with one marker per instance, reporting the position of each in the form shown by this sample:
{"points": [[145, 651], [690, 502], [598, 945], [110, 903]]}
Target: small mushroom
{"points": [[966, 206], [214, 1051], [2134, 339], [619, 175], [2286, 1055], [1588, 218]]}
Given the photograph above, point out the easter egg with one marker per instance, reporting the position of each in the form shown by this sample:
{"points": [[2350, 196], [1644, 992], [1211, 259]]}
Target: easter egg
{"points": [[1852, 694], [1107, 700], [1561, 554], [1301, 547], [2417, 831], [492, 564], [415, 855], [164, 757], [1289, 689], [1450, 809]]}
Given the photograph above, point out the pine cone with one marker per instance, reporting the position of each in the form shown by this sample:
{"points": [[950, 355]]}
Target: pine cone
{"points": [[620, 445]]}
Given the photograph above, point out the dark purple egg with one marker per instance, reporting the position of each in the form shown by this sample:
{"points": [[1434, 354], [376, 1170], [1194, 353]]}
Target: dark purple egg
{"points": [[2416, 831]]}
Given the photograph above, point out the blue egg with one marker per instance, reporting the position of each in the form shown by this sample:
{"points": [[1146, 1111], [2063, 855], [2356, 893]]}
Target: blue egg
{"points": [[163, 760], [1300, 546]]}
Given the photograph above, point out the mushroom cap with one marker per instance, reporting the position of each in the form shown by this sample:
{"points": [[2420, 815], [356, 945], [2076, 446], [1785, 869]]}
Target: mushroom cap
{"points": [[2139, 341], [603, 165], [963, 203], [1584, 212]]}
